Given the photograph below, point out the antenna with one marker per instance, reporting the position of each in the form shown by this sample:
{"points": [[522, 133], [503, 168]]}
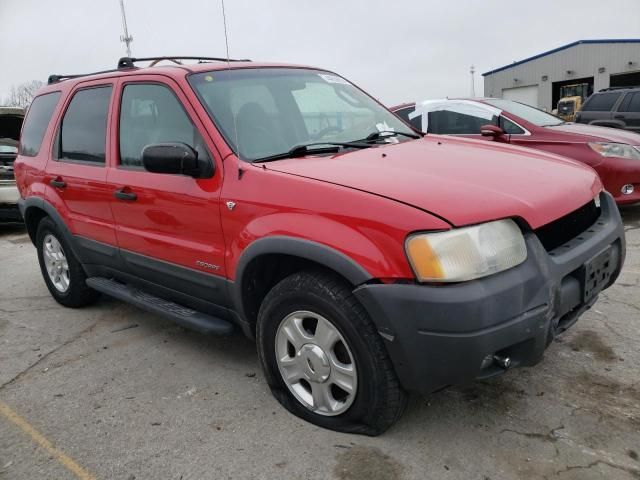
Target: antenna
{"points": [[473, 81], [226, 42], [126, 38]]}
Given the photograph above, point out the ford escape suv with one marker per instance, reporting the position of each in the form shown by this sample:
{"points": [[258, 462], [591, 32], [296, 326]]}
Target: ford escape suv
{"points": [[365, 259]]}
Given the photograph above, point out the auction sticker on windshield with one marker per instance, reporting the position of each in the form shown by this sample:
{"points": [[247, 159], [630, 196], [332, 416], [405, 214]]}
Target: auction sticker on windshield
{"points": [[333, 79]]}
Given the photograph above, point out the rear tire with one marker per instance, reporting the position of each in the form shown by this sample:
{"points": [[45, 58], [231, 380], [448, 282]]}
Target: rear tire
{"points": [[318, 296], [62, 272]]}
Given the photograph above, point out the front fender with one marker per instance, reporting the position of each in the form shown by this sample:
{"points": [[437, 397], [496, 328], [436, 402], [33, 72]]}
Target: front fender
{"points": [[307, 249]]}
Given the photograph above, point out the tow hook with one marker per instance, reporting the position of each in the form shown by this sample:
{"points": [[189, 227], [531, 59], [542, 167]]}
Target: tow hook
{"points": [[501, 361]]}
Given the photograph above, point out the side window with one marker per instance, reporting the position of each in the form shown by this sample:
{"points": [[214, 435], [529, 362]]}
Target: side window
{"points": [[83, 130], [601, 102], [404, 113], [38, 118], [631, 103], [149, 114], [509, 127], [447, 122]]}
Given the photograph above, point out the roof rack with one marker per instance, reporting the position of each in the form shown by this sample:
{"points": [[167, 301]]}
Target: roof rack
{"points": [[129, 62]]}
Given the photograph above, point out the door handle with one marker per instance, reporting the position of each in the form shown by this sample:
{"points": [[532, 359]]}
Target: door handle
{"points": [[618, 116], [124, 194], [58, 182]]}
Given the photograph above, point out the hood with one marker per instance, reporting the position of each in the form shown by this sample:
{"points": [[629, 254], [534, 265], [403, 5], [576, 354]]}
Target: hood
{"points": [[598, 134], [463, 181]]}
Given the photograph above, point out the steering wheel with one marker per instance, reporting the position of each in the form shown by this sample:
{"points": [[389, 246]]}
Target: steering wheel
{"points": [[325, 131]]}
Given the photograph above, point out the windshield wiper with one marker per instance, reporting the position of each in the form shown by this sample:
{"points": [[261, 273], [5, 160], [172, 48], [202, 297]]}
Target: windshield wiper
{"points": [[379, 135], [302, 150]]}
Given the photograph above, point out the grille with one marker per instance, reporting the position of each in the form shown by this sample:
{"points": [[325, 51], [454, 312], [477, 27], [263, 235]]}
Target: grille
{"points": [[566, 108], [560, 231]]}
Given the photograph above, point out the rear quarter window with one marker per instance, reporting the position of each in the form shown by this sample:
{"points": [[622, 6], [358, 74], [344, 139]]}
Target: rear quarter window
{"points": [[35, 125], [601, 102]]}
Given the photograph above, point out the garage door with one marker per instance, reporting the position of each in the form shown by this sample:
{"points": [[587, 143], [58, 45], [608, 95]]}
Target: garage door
{"points": [[528, 95]]}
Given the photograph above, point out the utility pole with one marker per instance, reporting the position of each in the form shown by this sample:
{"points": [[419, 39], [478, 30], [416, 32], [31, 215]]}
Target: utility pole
{"points": [[473, 81], [126, 38]]}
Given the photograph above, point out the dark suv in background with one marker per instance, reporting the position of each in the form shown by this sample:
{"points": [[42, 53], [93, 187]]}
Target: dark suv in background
{"points": [[613, 107]]}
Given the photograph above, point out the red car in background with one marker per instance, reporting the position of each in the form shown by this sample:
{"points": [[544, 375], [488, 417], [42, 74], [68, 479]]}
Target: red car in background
{"points": [[613, 153]]}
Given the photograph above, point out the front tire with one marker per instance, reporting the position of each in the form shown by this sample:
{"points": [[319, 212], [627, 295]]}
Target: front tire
{"points": [[323, 357], [61, 270]]}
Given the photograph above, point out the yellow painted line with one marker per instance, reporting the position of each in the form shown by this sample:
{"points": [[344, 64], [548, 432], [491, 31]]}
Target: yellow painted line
{"points": [[38, 438]]}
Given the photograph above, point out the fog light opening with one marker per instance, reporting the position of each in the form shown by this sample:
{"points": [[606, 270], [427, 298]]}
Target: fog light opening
{"points": [[627, 189]]}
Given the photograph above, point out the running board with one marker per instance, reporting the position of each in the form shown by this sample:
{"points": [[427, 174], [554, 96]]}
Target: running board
{"points": [[180, 314]]}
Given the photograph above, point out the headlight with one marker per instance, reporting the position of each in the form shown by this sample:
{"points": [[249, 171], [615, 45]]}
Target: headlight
{"points": [[621, 150], [466, 253]]}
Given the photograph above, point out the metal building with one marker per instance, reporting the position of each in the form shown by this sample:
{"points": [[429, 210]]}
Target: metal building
{"points": [[537, 80]]}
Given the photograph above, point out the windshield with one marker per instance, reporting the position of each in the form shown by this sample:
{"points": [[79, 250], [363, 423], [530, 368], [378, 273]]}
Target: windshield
{"points": [[263, 112], [530, 114]]}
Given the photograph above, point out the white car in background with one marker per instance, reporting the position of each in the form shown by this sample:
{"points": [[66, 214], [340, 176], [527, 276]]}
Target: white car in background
{"points": [[10, 125]]}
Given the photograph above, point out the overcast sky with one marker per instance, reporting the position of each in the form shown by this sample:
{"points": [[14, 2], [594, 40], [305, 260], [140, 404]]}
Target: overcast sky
{"points": [[397, 50]]}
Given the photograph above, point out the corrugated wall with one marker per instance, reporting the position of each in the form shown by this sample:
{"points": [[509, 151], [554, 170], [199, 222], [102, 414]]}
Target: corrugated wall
{"points": [[583, 60]]}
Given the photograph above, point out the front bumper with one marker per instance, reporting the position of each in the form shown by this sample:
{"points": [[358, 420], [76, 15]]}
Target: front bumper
{"points": [[443, 335]]}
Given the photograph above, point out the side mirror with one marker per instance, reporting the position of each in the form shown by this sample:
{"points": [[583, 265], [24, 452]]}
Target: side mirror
{"points": [[172, 158], [491, 131]]}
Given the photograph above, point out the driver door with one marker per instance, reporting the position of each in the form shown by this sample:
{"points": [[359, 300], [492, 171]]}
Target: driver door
{"points": [[168, 226]]}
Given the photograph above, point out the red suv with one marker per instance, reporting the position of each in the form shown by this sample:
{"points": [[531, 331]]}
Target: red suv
{"points": [[366, 261], [613, 153]]}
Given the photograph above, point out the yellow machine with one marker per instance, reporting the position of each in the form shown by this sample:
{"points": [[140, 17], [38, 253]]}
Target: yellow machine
{"points": [[571, 99]]}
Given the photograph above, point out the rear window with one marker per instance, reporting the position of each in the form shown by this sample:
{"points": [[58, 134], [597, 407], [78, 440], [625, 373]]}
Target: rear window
{"points": [[38, 118], [601, 102], [82, 135]]}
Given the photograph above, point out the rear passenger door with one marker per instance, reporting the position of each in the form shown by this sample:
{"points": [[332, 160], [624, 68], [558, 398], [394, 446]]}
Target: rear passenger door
{"points": [[76, 172], [629, 111], [168, 229]]}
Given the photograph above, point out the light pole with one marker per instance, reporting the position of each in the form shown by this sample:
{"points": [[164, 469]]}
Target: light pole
{"points": [[126, 38], [473, 81]]}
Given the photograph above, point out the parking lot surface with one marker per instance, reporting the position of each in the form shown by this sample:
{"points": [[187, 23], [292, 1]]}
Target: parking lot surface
{"points": [[111, 392]]}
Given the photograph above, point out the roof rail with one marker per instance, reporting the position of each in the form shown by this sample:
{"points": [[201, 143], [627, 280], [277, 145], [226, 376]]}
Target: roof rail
{"points": [[59, 78], [128, 62], [615, 88]]}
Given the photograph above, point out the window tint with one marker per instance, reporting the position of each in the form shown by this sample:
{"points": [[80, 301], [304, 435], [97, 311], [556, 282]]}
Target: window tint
{"points": [[415, 122], [37, 120], [601, 102], [152, 114], [509, 127], [446, 122], [83, 129], [631, 103]]}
